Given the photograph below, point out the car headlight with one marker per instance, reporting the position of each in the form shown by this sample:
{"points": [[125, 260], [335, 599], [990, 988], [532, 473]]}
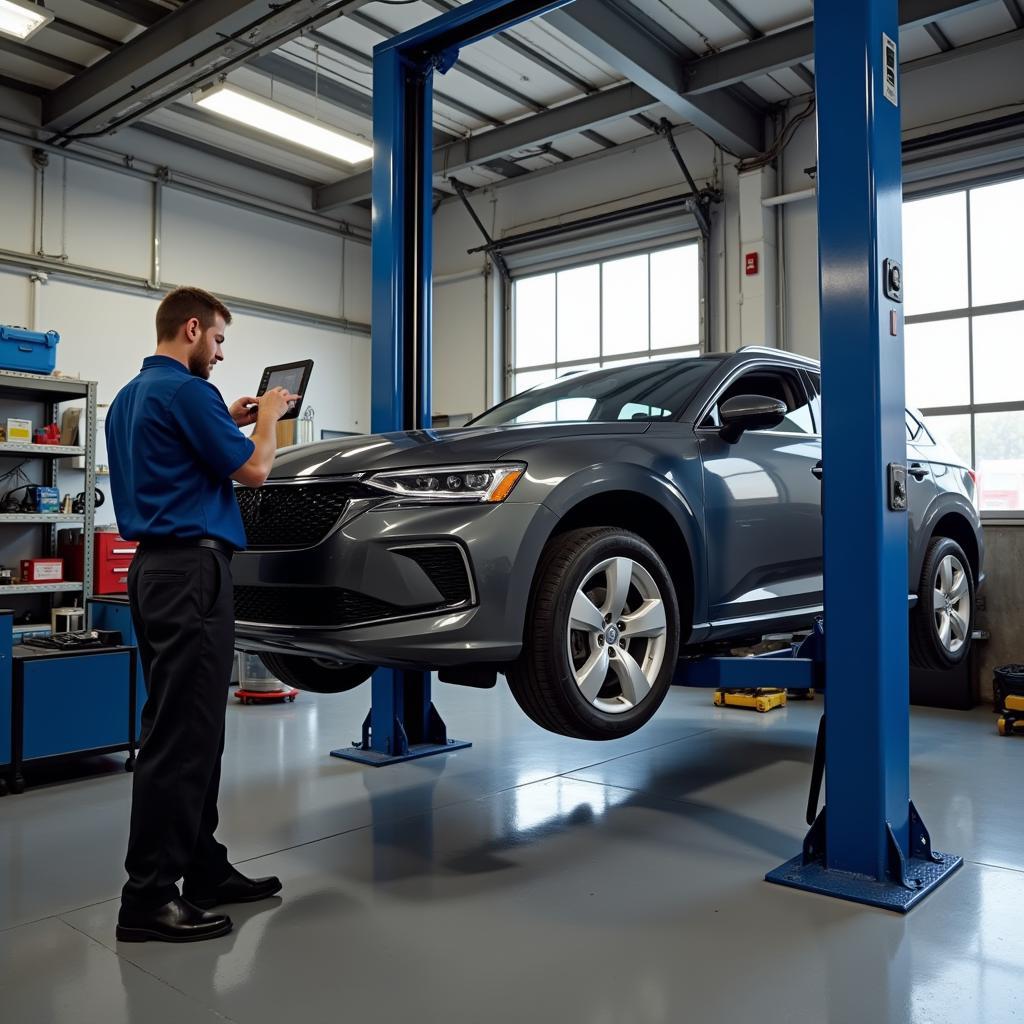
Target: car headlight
{"points": [[488, 484]]}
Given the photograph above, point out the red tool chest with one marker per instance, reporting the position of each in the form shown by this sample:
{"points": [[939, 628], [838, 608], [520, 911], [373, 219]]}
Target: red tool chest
{"points": [[112, 555]]}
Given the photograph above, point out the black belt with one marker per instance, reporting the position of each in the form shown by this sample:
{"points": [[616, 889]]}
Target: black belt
{"points": [[168, 543]]}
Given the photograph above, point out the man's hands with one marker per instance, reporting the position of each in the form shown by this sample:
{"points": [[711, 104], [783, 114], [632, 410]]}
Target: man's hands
{"points": [[275, 403]]}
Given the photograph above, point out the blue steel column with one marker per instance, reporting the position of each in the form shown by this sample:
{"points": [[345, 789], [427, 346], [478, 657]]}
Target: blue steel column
{"points": [[866, 646], [861, 845]]}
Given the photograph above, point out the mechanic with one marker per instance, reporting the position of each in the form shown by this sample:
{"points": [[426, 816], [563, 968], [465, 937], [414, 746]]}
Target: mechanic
{"points": [[174, 447]]}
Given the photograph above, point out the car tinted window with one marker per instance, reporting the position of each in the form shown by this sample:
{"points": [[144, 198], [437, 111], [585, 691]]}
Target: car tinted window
{"points": [[784, 385], [644, 391]]}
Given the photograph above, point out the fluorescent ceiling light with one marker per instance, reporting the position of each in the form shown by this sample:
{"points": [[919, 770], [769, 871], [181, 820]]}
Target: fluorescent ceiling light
{"points": [[272, 118], [22, 19]]}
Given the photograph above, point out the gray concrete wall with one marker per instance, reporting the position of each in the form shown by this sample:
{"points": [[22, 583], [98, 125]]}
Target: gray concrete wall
{"points": [[1003, 600]]}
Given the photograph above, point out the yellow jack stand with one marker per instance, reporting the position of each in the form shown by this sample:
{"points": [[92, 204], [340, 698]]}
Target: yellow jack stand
{"points": [[762, 700], [1012, 719]]}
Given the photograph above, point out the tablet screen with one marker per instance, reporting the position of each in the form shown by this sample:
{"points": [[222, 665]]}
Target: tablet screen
{"points": [[293, 377]]}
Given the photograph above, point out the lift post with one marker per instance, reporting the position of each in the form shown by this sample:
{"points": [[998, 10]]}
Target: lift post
{"points": [[868, 844], [403, 723]]}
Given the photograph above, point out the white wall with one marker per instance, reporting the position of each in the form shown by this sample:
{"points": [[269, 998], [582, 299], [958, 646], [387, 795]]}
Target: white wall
{"points": [[104, 221]]}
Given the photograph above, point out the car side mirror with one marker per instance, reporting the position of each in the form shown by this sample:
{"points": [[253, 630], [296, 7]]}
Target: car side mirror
{"points": [[749, 412]]}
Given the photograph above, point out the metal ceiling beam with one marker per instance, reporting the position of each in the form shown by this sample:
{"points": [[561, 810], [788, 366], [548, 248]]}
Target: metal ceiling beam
{"points": [[938, 37], [82, 34], [618, 39], [529, 132], [794, 46], [188, 47], [738, 19], [140, 12], [40, 57]]}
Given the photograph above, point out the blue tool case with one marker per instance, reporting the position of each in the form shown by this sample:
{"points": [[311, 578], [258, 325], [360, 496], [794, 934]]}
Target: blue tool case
{"points": [[28, 351]]}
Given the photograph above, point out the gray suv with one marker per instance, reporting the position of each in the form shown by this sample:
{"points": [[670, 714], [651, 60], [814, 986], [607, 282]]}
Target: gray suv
{"points": [[579, 538]]}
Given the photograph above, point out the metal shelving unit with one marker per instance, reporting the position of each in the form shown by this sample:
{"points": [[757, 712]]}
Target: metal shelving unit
{"points": [[49, 392]]}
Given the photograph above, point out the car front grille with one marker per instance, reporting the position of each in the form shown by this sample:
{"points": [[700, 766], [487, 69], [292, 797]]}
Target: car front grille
{"points": [[294, 515], [309, 606], [445, 565]]}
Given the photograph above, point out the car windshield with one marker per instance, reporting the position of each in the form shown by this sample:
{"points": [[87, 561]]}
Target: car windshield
{"points": [[644, 391]]}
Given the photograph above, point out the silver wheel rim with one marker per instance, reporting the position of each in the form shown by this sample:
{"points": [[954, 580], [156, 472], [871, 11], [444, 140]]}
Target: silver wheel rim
{"points": [[617, 635], [952, 604]]}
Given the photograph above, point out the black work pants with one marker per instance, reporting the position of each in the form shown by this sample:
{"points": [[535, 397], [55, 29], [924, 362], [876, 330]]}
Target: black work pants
{"points": [[183, 613]]}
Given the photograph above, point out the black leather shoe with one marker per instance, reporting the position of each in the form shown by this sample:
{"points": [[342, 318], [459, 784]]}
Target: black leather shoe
{"points": [[236, 888], [177, 921]]}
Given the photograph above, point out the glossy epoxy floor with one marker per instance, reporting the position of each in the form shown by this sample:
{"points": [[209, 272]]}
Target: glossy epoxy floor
{"points": [[529, 878]]}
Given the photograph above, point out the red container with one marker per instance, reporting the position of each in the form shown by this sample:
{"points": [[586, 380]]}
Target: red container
{"points": [[112, 556], [42, 570]]}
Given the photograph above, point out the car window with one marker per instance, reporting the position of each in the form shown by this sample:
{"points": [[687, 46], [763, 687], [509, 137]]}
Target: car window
{"points": [[814, 382], [643, 391], [784, 385]]}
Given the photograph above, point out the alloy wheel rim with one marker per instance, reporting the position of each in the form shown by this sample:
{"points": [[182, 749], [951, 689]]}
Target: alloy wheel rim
{"points": [[951, 604], [617, 635]]}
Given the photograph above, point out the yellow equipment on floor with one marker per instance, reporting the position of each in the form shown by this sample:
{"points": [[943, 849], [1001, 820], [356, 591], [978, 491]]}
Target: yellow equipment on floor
{"points": [[763, 699], [1012, 718]]}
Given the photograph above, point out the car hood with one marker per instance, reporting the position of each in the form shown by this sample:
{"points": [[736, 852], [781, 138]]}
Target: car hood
{"points": [[414, 448]]}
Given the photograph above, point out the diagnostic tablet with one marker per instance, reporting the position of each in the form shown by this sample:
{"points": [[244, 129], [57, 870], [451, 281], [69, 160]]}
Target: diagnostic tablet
{"points": [[293, 377]]}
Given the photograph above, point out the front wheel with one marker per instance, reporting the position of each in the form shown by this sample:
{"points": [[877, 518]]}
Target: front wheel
{"points": [[940, 624], [602, 636], [316, 675]]}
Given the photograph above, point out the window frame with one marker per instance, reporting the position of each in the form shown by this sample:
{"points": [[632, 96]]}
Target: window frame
{"points": [[969, 313], [608, 254]]}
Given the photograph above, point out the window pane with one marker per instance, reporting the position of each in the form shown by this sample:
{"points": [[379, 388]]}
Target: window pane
{"points": [[625, 307], [529, 380], [997, 224], [954, 432], [1000, 463], [535, 320], [999, 358], [675, 298], [579, 326], [935, 253], [938, 364]]}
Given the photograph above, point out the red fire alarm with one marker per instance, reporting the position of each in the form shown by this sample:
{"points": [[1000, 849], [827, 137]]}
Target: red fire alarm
{"points": [[751, 263]]}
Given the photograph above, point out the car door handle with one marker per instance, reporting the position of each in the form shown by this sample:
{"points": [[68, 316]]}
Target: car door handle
{"points": [[816, 470], [917, 471]]}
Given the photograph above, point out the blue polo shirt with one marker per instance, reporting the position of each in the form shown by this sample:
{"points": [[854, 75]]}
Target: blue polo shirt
{"points": [[172, 447]]}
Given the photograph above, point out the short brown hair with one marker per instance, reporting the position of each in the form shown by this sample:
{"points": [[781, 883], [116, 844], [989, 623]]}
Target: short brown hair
{"points": [[179, 306]]}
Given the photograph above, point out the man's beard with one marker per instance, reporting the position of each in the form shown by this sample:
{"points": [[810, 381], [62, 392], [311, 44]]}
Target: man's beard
{"points": [[199, 365]]}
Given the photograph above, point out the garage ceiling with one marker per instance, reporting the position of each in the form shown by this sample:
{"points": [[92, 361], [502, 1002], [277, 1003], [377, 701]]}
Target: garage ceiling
{"points": [[550, 91]]}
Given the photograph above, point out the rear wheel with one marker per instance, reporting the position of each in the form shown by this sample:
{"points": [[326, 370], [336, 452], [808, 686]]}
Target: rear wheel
{"points": [[603, 636], [940, 625], [316, 675]]}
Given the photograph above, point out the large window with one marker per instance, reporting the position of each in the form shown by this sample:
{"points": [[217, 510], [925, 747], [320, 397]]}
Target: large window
{"points": [[605, 314], [965, 330]]}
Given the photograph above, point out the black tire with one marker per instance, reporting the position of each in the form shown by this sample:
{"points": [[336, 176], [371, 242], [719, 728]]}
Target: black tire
{"points": [[542, 679], [315, 675], [927, 649]]}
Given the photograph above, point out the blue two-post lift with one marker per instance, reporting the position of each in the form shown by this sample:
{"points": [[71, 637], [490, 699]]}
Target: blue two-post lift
{"points": [[867, 844]]}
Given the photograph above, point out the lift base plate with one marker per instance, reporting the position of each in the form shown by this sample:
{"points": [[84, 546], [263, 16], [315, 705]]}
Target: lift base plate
{"points": [[417, 750], [845, 885]]}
